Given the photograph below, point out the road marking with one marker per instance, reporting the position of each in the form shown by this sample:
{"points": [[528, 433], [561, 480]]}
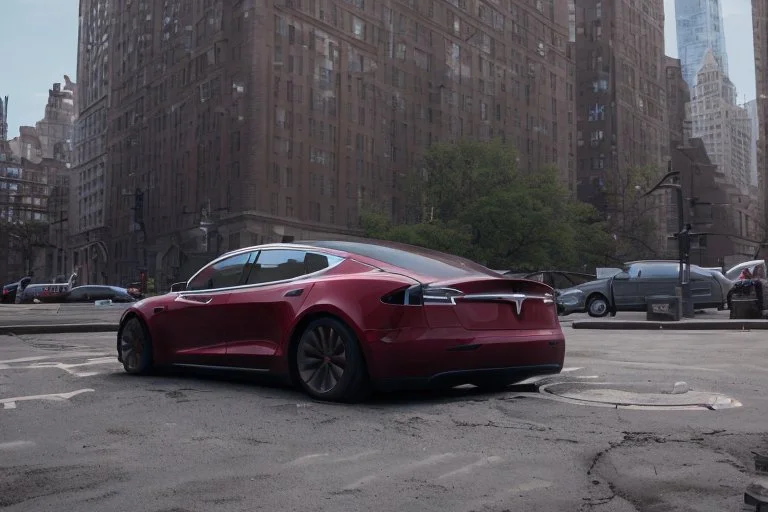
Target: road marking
{"points": [[306, 458], [3, 364], [469, 467], [12, 445], [66, 367], [529, 486], [503, 496], [356, 456], [10, 403], [575, 369], [429, 461]]}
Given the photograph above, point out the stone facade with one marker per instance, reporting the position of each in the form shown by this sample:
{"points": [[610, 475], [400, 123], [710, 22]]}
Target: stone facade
{"points": [[244, 122]]}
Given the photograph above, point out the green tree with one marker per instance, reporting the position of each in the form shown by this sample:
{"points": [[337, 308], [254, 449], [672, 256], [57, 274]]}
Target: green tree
{"points": [[632, 219], [470, 199]]}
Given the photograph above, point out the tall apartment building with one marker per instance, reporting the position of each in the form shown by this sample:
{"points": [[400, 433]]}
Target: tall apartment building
{"points": [[31, 167], [4, 118], [678, 94], [88, 180], [760, 38], [752, 110], [725, 128], [621, 83], [240, 122], [700, 29]]}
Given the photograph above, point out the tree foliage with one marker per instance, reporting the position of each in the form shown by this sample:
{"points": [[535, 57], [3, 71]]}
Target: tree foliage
{"points": [[25, 238], [632, 219], [471, 199]]}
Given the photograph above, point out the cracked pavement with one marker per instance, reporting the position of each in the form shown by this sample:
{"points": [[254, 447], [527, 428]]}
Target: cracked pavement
{"points": [[103, 440]]}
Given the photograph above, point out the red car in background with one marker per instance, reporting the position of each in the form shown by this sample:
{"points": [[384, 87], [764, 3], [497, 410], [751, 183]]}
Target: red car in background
{"points": [[341, 318]]}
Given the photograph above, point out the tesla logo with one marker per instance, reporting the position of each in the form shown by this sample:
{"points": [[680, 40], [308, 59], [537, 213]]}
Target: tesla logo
{"points": [[518, 299]]}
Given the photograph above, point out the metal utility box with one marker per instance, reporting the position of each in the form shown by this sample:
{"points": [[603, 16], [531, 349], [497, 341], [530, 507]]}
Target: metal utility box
{"points": [[665, 308]]}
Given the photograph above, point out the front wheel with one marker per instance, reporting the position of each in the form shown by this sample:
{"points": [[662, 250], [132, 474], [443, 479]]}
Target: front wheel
{"points": [[597, 306], [135, 347], [329, 362]]}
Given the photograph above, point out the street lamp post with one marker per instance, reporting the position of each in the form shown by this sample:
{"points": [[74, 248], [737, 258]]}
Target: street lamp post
{"points": [[683, 237]]}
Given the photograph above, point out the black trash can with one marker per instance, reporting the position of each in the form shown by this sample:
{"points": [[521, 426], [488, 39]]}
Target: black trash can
{"points": [[664, 308]]}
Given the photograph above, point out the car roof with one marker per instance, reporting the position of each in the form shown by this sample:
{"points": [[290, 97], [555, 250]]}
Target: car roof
{"points": [[418, 260]]}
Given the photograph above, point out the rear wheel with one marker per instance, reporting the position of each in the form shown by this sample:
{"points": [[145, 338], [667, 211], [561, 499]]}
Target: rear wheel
{"points": [[135, 347], [597, 306], [329, 362]]}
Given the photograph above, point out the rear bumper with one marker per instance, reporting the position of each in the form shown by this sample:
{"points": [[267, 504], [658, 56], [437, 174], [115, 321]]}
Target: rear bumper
{"points": [[453, 356]]}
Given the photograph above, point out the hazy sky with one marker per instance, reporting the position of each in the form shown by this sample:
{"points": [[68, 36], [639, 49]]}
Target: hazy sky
{"points": [[39, 45], [737, 16]]}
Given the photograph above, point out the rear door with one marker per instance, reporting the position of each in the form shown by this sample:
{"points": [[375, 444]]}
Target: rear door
{"points": [[264, 310], [658, 279]]}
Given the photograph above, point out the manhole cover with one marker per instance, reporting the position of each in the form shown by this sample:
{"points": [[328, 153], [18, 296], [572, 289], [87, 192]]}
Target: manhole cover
{"points": [[640, 396]]}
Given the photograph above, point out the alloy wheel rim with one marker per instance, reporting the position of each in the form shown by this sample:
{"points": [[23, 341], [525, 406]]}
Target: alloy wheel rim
{"points": [[131, 346], [322, 359], [598, 307]]}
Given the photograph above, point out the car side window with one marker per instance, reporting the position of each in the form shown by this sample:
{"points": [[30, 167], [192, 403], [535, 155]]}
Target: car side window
{"points": [[224, 274], [634, 271], [282, 264], [661, 271], [77, 294]]}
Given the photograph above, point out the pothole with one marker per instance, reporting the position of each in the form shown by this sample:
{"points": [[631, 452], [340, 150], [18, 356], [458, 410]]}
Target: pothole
{"points": [[677, 397]]}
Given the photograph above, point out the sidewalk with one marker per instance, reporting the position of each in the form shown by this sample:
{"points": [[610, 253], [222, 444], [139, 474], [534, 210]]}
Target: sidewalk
{"points": [[704, 321], [53, 318]]}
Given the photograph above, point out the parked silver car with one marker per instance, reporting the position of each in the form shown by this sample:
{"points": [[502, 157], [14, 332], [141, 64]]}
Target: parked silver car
{"points": [[627, 290]]}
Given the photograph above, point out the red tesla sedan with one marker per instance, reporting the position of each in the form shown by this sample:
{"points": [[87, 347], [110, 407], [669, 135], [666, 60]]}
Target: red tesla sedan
{"points": [[339, 318]]}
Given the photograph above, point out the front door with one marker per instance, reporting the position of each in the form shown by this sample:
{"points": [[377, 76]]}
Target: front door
{"points": [[197, 322]]}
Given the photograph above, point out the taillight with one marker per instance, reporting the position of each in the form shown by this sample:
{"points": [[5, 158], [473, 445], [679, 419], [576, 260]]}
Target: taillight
{"points": [[445, 296], [410, 296]]}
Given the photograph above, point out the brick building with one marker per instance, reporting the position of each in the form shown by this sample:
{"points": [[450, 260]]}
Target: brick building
{"points": [[4, 119], [760, 38], [234, 123], [87, 224], [34, 169], [621, 84]]}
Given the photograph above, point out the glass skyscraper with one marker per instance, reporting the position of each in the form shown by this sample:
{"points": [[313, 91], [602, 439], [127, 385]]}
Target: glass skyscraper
{"points": [[699, 28]]}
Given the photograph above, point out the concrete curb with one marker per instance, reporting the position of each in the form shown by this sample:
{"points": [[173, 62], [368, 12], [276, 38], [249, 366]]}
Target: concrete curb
{"points": [[683, 325], [57, 328]]}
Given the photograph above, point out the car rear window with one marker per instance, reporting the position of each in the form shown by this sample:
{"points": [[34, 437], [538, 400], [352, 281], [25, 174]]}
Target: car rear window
{"points": [[420, 261]]}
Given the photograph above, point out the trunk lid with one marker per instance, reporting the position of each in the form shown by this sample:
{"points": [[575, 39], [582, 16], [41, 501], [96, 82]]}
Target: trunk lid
{"points": [[490, 304]]}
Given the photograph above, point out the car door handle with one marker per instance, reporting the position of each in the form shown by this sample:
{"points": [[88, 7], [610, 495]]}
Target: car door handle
{"points": [[199, 299], [294, 293]]}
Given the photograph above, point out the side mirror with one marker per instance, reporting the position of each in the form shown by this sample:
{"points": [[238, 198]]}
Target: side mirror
{"points": [[178, 287], [621, 276]]}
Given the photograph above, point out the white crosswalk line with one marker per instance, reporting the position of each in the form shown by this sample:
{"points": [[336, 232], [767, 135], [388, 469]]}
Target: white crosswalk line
{"points": [[485, 461], [429, 461], [357, 456], [10, 403], [13, 445], [306, 458]]}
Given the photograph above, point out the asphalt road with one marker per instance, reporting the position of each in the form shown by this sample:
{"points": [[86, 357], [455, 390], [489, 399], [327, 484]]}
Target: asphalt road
{"points": [[191, 442]]}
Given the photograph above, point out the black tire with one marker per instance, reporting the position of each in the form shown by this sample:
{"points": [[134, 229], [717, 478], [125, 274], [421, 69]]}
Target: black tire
{"points": [[597, 306], [329, 363], [134, 347]]}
